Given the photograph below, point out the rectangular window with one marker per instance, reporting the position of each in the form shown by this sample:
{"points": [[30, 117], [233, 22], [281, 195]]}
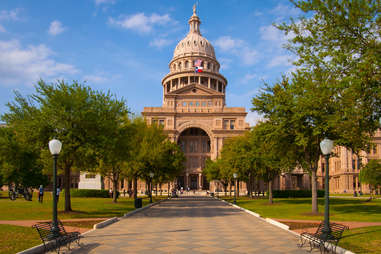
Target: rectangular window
{"points": [[87, 176], [226, 124], [161, 122], [203, 104], [232, 124]]}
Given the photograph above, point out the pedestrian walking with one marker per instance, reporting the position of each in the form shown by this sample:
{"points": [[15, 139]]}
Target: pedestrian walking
{"points": [[58, 193], [40, 194]]}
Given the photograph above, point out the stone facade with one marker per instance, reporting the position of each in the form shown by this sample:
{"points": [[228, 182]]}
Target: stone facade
{"points": [[194, 113], [345, 166]]}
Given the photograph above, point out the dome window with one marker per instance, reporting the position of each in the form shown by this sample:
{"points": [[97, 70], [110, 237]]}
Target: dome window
{"points": [[186, 64], [188, 43], [195, 43], [201, 43]]}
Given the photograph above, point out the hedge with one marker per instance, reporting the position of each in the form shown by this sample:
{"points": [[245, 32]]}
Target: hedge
{"points": [[87, 193], [296, 193]]}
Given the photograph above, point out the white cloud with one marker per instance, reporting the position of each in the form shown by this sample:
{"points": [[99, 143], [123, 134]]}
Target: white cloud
{"points": [[99, 2], [160, 42], [56, 28], [225, 63], [95, 78], [271, 33], [226, 43], [282, 60], [281, 11], [2, 29], [12, 15], [239, 48], [25, 65], [248, 77], [253, 118], [140, 22]]}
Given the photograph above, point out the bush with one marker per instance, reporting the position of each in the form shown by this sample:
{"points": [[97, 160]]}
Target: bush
{"points": [[86, 193], [296, 193]]}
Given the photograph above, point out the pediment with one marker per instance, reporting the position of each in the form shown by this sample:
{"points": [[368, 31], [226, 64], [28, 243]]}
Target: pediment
{"points": [[194, 89]]}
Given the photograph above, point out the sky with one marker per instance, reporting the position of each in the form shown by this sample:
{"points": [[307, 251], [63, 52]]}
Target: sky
{"points": [[125, 46]]}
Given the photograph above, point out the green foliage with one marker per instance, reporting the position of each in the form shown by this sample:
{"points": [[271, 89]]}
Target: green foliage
{"points": [[74, 114], [87, 193], [19, 162], [296, 193], [371, 173]]}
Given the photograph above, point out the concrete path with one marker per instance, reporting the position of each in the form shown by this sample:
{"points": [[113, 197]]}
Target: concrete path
{"points": [[190, 225]]}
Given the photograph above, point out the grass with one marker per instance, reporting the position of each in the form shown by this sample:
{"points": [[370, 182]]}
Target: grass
{"points": [[362, 240], [341, 209], [16, 238], [82, 208]]}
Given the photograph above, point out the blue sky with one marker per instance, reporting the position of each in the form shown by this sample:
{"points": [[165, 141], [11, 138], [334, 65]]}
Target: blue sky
{"points": [[125, 46]]}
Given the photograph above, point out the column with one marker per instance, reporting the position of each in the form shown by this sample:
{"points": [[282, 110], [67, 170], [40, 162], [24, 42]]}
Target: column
{"points": [[209, 82], [186, 181], [188, 80], [200, 181]]}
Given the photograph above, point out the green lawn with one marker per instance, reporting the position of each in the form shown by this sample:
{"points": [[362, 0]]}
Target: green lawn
{"points": [[341, 209], [82, 208], [362, 240], [15, 238]]}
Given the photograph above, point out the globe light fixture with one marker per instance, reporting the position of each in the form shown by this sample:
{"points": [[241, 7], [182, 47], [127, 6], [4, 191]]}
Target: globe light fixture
{"points": [[326, 146], [55, 148]]}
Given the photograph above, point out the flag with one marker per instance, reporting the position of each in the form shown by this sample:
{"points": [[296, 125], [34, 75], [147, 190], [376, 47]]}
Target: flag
{"points": [[198, 65]]}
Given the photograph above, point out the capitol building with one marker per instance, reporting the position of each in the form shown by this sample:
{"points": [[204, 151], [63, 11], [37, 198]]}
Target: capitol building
{"points": [[194, 115]]}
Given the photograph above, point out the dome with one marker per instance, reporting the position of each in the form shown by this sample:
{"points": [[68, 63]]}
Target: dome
{"points": [[194, 43]]}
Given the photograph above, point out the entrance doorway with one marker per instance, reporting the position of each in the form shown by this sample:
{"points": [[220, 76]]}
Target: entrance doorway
{"points": [[195, 143]]}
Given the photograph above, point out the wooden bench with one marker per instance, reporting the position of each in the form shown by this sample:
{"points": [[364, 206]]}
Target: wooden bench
{"points": [[322, 242], [53, 241]]}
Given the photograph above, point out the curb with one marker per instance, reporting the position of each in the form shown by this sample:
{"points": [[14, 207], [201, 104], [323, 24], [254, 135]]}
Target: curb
{"points": [[105, 223], [40, 248], [339, 250]]}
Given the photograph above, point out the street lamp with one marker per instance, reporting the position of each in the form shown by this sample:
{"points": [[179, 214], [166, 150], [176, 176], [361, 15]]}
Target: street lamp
{"points": [[326, 147], [235, 187], [151, 174], [55, 148]]}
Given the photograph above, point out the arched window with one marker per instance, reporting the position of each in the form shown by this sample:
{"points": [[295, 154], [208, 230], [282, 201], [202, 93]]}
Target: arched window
{"points": [[208, 66], [186, 64], [180, 66]]}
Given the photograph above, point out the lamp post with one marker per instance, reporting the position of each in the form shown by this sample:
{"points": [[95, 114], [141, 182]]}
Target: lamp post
{"points": [[151, 174], [326, 147], [235, 187], [55, 148]]}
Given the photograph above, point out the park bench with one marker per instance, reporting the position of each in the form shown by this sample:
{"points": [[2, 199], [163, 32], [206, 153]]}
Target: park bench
{"points": [[318, 240], [55, 242]]}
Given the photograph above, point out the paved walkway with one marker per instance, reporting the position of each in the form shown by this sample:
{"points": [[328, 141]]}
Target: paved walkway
{"points": [[190, 225]]}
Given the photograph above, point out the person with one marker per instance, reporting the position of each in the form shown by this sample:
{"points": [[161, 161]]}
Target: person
{"points": [[40, 194], [124, 192], [110, 193], [58, 193]]}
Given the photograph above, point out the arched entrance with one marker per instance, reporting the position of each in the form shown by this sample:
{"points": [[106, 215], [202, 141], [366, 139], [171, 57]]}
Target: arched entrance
{"points": [[195, 143]]}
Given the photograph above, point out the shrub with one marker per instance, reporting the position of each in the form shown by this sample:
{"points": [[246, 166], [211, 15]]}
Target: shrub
{"points": [[296, 193], [89, 193]]}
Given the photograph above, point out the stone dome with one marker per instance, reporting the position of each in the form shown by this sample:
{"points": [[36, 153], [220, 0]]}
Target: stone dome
{"points": [[194, 44]]}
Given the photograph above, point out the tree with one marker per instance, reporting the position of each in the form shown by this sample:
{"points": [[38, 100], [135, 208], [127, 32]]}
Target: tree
{"points": [[72, 113], [218, 170], [271, 158], [113, 152], [371, 174], [19, 162], [340, 39]]}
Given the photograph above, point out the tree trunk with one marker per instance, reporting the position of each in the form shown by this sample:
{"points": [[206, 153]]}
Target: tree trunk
{"points": [[67, 178], [230, 189], [115, 178], [271, 191], [135, 187], [237, 188], [169, 186], [156, 190], [315, 208], [248, 186], [129, 187], [226, 189]]}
